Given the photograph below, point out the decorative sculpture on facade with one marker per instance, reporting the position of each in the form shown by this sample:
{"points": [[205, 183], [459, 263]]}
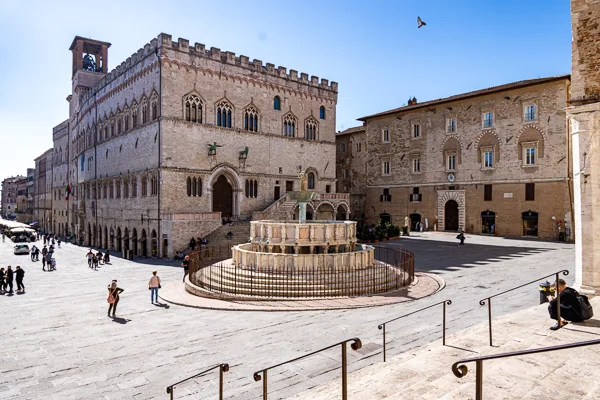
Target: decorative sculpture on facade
{"points": [[212, 148]]}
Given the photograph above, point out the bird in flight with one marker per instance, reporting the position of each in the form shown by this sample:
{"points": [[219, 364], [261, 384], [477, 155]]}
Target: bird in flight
{"points": [[420, 22]]}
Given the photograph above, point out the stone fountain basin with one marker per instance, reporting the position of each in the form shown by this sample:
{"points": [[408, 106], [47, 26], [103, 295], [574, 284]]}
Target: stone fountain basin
{"points": [[302, 196]]}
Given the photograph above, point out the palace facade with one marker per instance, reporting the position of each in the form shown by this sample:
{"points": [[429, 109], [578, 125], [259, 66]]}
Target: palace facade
{"points": [[492, 161], [178, 137]]}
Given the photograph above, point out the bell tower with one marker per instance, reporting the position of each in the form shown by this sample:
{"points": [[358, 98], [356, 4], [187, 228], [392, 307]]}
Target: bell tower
{"points": [[89, 55]]}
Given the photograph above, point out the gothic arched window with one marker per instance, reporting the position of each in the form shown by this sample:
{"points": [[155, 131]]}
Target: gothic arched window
{"points": [[193, 108], [154, 105], [189, 186], [251, 119], [310, 129], [322, 112], [224, 114], [134, 115], [251, 188], [194, 187], [289, 125], [277, 103], [311, 180], [144, 110]]}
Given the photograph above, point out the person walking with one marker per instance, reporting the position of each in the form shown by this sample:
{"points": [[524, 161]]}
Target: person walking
{"points": [[43, 262], [461, 237], [89, 256], [99, 257], [154, 285], [33, 249], [113, 297], [106, 257], [2, 281], [20, 274], [37, 253], [94, 262], [58, 241], [186, 266], [9, 280]]}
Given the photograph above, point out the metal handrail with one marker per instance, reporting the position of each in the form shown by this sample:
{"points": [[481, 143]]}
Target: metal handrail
{"points": [[355, 345], [222, 368], [445, 302], [489, 299], [460, 370]]}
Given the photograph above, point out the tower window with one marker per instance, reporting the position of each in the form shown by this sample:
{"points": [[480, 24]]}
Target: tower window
{"points": [[322, 112], [277, 103]]}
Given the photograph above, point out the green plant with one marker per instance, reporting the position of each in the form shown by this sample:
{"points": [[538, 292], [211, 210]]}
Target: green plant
{"points": [[405, 230], [394, 230]]}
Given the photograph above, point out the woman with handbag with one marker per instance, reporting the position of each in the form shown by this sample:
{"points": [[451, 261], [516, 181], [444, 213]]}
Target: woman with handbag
{"points": [[113, 297], [154, 285]]}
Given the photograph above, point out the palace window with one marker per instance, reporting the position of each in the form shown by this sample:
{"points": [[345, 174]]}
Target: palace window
{"points": [[134, 186], [144, 111], [144, 186], [193, 109], [118, 185], [385, 168], [488, 159], [343, 147], [386, 196], [529, 191], [276, 103], [125, 189], [451, 125], [529, 156], [310, 129], [311, 180], [111, 190], [224, 116], [451, 162], [322, 112], [416, 128], [415, 196], [416, 165], [487, 192], [112, 129], [385, 135], [153, 186], [134, 116], [154, 105], [251, 119], [189, 186], [488, 119], [126, 121], [251, 188], [289, 125], [358, 147], [119, 125], [530, 112]]}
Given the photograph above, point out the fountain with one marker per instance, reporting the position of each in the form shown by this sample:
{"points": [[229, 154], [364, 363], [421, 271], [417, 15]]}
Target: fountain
{"points": [[308, 259]]}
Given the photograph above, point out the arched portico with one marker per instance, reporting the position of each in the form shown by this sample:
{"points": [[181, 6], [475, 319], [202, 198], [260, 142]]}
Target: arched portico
{"points": [[225, 191]]}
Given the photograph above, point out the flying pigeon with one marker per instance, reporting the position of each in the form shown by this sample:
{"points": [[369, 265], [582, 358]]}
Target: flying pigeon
{"points": [[420, 22]]}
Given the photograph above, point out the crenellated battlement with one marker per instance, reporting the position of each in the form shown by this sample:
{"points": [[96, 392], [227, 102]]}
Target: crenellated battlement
{"points": [[228, 57]]}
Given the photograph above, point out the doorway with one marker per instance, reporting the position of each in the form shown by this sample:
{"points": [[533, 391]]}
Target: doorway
{"points": [[223, 197], [488, 222], [415, 222], [385, 218], [451, 216], [289, 186], [276, 193], [530, 223]]}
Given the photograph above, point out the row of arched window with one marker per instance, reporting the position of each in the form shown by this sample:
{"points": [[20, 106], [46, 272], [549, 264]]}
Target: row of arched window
{"points": [[194, 108], [277, 106], [251, 188], [121, 187], [194, 187], [119, 121]]}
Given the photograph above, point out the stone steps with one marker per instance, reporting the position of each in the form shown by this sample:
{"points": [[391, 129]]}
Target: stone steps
{"points": [[425, 373], [218, 237]]}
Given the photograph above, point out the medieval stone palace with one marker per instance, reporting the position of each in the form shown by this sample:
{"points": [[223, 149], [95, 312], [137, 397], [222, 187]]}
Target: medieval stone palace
{"points": [[179, 137]]}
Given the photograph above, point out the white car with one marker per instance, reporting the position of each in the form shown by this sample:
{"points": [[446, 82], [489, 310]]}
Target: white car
{"points": [[21, 249]]}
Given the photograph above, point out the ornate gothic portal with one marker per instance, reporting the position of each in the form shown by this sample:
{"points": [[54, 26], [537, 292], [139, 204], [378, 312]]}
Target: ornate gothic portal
{"points": [[222, 197], [451, 210]]}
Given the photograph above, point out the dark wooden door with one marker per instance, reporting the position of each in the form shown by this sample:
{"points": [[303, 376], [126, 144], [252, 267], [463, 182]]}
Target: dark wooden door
{"points": [[276, 193], [451, 216], [223, 197]]}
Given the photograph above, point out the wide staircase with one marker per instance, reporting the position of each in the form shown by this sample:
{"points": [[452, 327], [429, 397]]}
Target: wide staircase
{"points": [[239, 229], [426, 372]]}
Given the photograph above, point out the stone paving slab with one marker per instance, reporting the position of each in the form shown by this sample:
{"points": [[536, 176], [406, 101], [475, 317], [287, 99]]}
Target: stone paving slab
{"points": [[425, 284], [59, 328]]}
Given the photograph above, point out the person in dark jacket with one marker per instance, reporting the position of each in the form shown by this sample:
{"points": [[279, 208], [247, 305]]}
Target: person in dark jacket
{"points": [[2, 281], [9, 279], [20, 274], [570, 308], [114, 290]]}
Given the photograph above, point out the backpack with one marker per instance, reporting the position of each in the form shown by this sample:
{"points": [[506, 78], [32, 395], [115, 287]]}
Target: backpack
{"points": [[587, 311]]}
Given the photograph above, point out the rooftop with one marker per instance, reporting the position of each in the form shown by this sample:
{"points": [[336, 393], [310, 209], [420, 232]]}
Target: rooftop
{"points": [[463, 96], [348, 131]]}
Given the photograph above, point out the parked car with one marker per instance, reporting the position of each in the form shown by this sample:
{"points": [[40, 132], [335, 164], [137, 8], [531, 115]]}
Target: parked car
{"points": [[21, 249]]}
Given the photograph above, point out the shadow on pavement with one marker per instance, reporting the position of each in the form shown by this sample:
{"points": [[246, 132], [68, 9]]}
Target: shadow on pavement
{"points": [[162, 305], [120, 320]]}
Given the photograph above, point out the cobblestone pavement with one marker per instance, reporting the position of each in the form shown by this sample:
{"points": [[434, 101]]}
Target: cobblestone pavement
{"points": [[58, 343]]}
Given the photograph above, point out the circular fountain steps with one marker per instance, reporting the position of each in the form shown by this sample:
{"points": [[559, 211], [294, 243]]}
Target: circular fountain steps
{"points": [[237, 283]]}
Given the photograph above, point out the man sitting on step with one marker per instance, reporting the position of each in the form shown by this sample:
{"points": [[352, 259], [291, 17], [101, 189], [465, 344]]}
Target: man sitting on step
{"points": [[573, 306]]}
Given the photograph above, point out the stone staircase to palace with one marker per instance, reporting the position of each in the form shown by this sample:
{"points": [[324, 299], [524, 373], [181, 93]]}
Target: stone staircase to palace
{"points": [[239, 229], [425, 372]]}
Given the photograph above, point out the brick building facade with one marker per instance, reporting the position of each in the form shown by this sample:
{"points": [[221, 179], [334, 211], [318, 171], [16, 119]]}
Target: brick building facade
{"points": [[143, 175], [9, 196], [493, 161]]}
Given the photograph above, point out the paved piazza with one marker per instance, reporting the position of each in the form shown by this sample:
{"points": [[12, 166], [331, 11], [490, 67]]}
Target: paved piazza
{"points": [[58, 343]]}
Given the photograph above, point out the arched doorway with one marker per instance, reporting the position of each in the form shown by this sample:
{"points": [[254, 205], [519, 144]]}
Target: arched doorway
{"points": [[126, 239], [89, 241], [325, 212], [415, 222], [222, 197], [488, 222], [342, 212], [134, 241], [119, 241], [530, 223], [144, 244], [106, 237], [451, 215], [154, 244]]}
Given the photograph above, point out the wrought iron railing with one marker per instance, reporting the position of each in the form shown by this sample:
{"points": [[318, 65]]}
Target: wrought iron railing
{"points": [[222, 369], [383, 325], [355, 345], [460, 369], [488, 300], [206, 256]]}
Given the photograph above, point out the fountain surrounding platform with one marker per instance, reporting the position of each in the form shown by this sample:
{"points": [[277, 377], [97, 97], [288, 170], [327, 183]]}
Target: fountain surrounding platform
{"points": [[309, 259]]}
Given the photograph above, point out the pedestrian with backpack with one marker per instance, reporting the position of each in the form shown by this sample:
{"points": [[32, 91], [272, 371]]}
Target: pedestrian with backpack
{"points": [[461, 237], [113, 297]]}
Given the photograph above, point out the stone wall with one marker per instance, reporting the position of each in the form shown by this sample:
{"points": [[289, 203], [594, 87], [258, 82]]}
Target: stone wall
{"points": [[585, 18]]}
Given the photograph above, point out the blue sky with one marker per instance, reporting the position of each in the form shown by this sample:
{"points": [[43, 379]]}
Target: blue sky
{"points": [[373, 49]]}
